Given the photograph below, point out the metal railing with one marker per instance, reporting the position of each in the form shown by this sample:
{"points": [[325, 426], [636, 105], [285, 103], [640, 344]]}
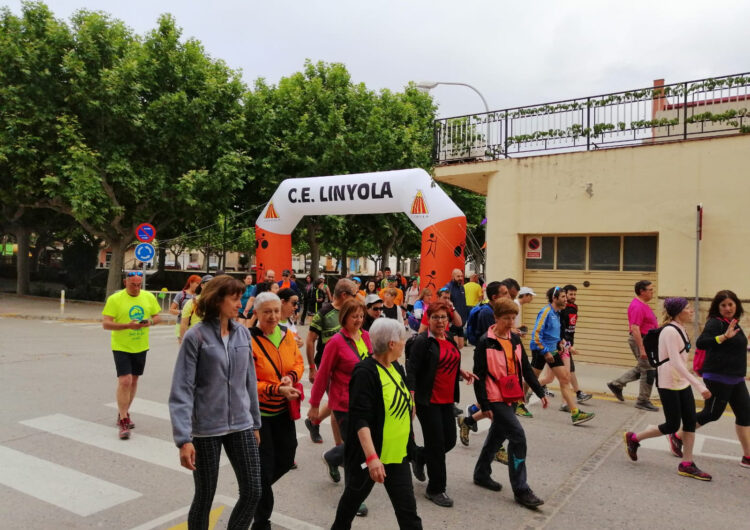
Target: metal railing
{"points": [[662, 113]]}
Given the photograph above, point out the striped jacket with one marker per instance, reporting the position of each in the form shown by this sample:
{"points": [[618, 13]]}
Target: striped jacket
{"points": [[287, 359]]}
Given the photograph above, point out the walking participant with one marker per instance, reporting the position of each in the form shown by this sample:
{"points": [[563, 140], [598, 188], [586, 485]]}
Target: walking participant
{"points": [[568, 321], [374, 310], [641, 320], [458, 299], [398, 294], [217, 404], [422, 302], [381, 412], [342, 353], [547, 349], [308, 301], [188, 317], [433, 370], [246, 294], [279, 368], [473, 292], [289, 304], [390, 308], [412, 295], [182, 298], [128, 314], [673, 384], [501, 365], [724, 370]]}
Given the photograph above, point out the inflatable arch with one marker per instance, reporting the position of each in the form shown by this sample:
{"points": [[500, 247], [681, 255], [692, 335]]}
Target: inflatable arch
{"points": [[410, 191]]}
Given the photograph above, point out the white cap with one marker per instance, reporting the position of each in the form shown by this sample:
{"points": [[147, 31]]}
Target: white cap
{"points": [[371, 299], [526, 290]]}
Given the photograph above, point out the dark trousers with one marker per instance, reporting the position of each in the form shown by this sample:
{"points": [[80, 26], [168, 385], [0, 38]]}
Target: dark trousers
{"points": [[398, 486], [505, 426], [335, 456], [679, 407], [242, 451], [439, 433], [722, 394], [278, 444]]}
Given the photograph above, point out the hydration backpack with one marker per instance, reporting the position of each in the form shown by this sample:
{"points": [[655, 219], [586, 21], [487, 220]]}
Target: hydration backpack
{"points": [[651, 345], [472, 333]]}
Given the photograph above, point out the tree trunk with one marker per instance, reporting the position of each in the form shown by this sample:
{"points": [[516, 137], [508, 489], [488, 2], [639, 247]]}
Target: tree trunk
{"points": [[312, 240], [344, 263], [114, 278], [385, 253], [162, 258], [23, 236]]}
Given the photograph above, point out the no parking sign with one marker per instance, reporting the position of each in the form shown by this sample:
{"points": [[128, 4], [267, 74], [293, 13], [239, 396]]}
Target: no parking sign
{"points": [[533, 247]]}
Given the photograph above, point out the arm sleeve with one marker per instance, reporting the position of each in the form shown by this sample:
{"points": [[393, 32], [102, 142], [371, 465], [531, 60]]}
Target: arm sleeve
{"points": [[541, 320], [480, 370], [183, 389], [322, 379], [674, 347], [707, 339], [362, 395], [415, 361], [252, 386]]}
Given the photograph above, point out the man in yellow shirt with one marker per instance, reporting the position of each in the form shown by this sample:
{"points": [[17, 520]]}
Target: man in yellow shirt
{"points": [[473, 292], [128, 314]]}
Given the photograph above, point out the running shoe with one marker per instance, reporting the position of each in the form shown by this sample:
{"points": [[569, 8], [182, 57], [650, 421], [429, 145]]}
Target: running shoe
{"points": [[362, 511], [463, 431], [124, 429], [547, 392], [418, 469], [631, 446], [441, 499], [314, 431], [616, 390], [745, 462], [646, 405], [131, 425], [488, 483], [522, 411], [564, 408], [692, 471], [457, 411], [582, 396], [581, 417], [528, 499], [675, 445], [294, 465], [470, 411], [332, 470], [502, 455]]}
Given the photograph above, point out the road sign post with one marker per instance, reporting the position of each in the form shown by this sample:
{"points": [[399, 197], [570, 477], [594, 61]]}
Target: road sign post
{"points": [[145, 233]]}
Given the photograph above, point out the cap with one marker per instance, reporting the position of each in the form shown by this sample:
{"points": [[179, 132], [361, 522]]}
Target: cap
{"points": [[286, 272], [357, 279], [526, 290], [207, 277], [392, 279], [372, 299]]}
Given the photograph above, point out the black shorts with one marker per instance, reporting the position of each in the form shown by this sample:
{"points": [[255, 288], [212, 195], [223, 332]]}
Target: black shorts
{"points": [[456, 331], [538, 361], [129, 363]]}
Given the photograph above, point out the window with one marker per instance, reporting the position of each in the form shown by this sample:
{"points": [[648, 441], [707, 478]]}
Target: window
{"points": [[604, 253], [571, 253], [639, 253], [547, 260]]}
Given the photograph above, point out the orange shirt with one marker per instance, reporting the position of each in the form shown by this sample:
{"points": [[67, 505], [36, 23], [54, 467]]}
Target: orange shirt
{"points": [[399, 300]]}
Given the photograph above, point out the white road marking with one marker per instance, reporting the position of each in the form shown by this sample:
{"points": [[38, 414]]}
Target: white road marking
{"points": [[60, 486], [141, 447], [660, 443]]}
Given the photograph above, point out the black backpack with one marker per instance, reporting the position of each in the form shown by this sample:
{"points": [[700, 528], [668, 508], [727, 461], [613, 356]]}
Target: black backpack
{"points": [[651, 345]]}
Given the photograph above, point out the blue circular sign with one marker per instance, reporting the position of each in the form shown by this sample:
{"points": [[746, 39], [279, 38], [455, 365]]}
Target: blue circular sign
{"points": [[144, 252]]}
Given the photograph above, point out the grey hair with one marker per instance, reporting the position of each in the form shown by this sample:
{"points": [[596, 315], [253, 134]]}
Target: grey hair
{"points": [[383, 331], [265, 296]]}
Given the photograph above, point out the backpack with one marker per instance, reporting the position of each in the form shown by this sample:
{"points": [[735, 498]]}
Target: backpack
{"points": [[472, 333], [651, 345], [413, 321], [409, 343]]}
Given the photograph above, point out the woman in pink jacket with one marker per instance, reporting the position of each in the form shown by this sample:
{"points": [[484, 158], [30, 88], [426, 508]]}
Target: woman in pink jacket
{"points": [[673, 382], [342, 353]]}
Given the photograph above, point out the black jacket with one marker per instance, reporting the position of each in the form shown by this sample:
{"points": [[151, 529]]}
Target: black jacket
{"points": [[366, 409], [727, 358], [421, 367], [481, 371]]}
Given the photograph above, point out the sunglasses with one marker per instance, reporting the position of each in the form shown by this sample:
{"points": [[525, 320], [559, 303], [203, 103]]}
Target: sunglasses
{"points": [[135, 273], [379, 308], [295, 304]]}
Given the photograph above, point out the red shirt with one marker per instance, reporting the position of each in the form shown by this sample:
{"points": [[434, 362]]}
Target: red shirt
{"points": [[445, 376]]}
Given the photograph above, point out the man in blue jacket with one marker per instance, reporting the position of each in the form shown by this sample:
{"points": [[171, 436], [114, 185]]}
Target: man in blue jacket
{"points": [[548, 347]]}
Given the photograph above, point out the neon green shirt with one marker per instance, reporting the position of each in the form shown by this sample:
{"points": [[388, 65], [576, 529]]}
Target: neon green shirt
{"points": [[275, 336], [188, 312], [124, 308], [398, 406], [362, 348]]}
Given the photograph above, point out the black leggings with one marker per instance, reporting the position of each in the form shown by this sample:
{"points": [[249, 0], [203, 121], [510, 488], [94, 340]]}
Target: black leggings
{"points": [[242, 451], [679, 406], [735, 395], [439, 434]]}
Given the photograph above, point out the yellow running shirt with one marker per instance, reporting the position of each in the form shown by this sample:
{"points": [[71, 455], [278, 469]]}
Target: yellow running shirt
{"points": [[398, 405], [124, 308]]}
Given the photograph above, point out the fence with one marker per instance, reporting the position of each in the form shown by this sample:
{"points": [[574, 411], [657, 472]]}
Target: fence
{"points": [[674, 112]]}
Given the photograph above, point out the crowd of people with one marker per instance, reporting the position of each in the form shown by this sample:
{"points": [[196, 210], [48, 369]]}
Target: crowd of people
{"points": [[383, 352]]}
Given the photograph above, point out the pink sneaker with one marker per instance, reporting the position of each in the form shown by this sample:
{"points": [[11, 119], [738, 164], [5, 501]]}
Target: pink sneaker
{"points": [[124, 429]]}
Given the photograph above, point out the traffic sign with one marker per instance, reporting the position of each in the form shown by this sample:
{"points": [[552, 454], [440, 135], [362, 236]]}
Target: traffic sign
{"points": [[145, 233], [144, 252]]}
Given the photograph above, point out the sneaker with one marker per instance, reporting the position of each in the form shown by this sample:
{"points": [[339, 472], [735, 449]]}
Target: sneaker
{"points": [[418, 469], [131, 425], [582, 396], [314, 431], [616, 390], [294, 465], [528, 499], [522, 411], [463, 431], [488, 483], [333, 471], [646, 405], [457, 411], [548, 393], [362, 511], [502, 456], [124, 429], [631, 446], [581, 417], [745, 462], [564, 408], [675, 445], [441, 499], [692, 471]]}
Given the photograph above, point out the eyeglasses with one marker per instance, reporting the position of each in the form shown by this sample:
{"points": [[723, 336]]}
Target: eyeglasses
{"points": [[379, 308], [134, 273], [439, 317], [295, 304]]}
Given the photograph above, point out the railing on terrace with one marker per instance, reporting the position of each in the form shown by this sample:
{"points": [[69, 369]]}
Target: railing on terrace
{"points": [[679, 111]]}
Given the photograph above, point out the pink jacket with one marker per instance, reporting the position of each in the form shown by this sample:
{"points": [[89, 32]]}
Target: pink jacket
{"points": [[339, 359], [497, 367]]}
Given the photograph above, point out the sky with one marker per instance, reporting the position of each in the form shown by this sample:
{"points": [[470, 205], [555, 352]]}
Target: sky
{"points": [[513, 53]]}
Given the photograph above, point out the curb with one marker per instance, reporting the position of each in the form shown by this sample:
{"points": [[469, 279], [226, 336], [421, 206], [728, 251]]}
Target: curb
{"points": [[48, 317]]}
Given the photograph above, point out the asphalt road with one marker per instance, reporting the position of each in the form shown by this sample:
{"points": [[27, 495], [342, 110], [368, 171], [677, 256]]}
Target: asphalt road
{"points": [[62, 466]]}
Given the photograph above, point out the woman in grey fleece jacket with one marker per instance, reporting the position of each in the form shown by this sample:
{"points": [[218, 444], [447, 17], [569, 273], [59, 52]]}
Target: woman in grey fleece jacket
{"points": [[214, 403]]}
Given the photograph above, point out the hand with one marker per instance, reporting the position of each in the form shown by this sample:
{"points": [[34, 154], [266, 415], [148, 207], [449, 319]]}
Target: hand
{"points": [[706, 393], [289, 392], [179, 340], [313, 413], [549, 357], [187, 456], [311, 373], [286, 381], [488, 414], [147, 323], [377, 470], [732, 330], [573, 351], [468, 376], [545, 402], [134, 324], [257, 436], [643, 355], [299, 341]]}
